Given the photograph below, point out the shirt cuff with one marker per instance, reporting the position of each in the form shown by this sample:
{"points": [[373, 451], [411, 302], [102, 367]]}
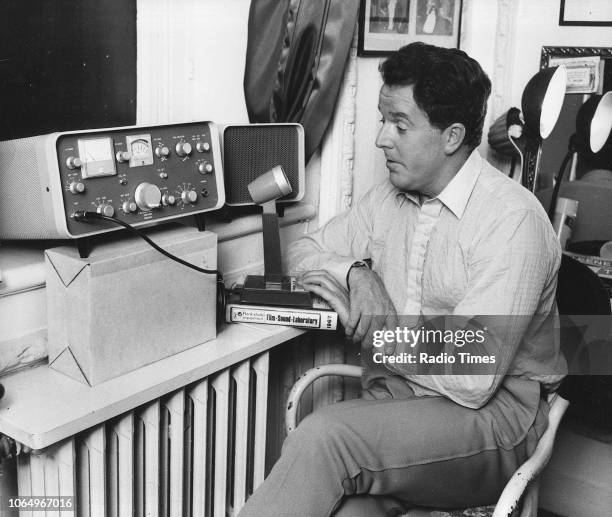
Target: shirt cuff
{"points": [[339, 269]]}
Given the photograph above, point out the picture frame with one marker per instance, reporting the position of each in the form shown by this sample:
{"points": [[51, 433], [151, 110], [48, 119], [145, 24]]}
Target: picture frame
{"points": [[586, 13], [437, 22]]}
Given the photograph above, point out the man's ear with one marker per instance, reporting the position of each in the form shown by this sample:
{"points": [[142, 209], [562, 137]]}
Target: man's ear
{"points": [[454, 136]]}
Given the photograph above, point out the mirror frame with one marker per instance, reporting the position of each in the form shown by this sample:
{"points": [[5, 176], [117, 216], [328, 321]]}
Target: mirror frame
{"points": [[534, 149]]}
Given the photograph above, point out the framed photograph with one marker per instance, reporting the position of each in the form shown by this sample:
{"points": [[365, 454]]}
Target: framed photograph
{"points": [[386, 25], [586, 12]]}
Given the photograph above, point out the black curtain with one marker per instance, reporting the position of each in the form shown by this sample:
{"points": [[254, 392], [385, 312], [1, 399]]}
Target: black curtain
{"points": [[295, 61], [66, 65]]}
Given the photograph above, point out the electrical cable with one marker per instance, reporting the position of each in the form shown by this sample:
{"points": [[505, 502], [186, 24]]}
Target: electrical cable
{"points": [[559, 179], [87, 216], [518, 150]]}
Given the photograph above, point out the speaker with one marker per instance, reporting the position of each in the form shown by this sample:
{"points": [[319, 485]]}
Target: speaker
{"points": [[250, 150]]}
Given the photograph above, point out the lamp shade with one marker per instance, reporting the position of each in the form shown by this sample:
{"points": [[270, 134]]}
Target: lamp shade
{"points": [[594, 122], [542, 100]]}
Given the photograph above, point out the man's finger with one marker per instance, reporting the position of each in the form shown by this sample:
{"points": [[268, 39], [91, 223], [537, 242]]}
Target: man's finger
{"points": [[352, 322], [362, 328], [337, 302]]}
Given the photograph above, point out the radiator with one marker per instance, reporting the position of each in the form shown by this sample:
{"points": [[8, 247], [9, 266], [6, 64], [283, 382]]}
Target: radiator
{"points": [[199, 451]]}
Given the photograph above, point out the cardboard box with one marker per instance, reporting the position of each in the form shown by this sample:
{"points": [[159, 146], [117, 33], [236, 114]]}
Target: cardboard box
{"points": [[127, 305]]}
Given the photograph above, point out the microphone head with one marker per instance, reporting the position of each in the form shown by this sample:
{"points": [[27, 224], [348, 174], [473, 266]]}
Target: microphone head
{"points": [[270, 186]]}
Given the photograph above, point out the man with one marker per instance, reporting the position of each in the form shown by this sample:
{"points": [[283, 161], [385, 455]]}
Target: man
{"points": [[447, 235]]}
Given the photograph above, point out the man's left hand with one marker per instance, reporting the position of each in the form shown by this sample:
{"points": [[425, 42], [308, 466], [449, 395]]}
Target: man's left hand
{"points": [[323, 284]]}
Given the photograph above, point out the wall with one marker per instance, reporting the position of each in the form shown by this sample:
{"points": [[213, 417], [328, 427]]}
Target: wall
{"points": [[479, 25], [505, 37], [538, 26], [191, 57]]}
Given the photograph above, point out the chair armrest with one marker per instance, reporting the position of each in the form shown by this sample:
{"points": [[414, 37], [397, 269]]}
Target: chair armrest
{"points": [[305, 380], [529, 470]]}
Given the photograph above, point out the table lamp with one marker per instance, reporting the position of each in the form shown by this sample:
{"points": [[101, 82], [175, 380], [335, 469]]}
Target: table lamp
{"points": [[540, 107], [593, 128]]}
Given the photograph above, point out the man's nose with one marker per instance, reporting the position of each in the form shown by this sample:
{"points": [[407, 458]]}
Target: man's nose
{"points": [[382, 138]]}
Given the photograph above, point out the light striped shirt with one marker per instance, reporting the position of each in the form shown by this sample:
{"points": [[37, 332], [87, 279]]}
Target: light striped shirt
{"points": [[483, 246]]}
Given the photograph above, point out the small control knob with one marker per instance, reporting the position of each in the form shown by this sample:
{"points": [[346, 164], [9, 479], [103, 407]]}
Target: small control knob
{"points": [[77, 187], [129, 207], [162, 152], [202, 147], [189, 196], [168, 199], [147, 196], [73, 162], [106, 209], [123, 156], [183, 149], [206, 168]]}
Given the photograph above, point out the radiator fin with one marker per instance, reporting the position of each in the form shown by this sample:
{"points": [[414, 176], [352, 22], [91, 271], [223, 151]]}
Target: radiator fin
{"points": [[197, 452]]}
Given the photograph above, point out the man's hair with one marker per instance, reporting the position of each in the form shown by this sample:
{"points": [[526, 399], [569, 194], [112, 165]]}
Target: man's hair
{"points": [[448, 85]]}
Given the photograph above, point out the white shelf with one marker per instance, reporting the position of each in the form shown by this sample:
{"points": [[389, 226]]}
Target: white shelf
{"points": [[42, 406]]}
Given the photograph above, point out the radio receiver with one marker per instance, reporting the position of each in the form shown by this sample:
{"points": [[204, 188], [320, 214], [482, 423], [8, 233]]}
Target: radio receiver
{"points": [[140, 175]]}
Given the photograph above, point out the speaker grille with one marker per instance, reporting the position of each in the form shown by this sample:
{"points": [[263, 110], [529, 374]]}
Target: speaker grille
{"points": [[250, 151], [21, 205]]}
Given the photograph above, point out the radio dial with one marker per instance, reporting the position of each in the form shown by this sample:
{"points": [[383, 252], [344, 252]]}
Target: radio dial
{"points": [[123, 156], [106, 209], [168, 200], [202, 147], [162, 152], [189, 196], [129, 207], [205, 168], [77, 187], [183, 149], [147, 196], [73, 162]]}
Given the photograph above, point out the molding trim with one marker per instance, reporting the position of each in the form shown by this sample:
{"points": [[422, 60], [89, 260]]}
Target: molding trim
{"points": [[338, 150], [465, 13], [507, 13]]}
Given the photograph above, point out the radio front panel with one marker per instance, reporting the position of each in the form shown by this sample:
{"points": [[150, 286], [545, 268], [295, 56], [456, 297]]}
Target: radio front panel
{"points": [[140, 175]]}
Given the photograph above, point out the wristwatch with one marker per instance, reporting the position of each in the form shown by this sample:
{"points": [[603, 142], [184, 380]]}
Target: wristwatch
{"points": [[357, 264]]}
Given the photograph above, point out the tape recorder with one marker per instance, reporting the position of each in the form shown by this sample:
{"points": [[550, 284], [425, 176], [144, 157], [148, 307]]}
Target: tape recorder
{"points": [[139, 175]]}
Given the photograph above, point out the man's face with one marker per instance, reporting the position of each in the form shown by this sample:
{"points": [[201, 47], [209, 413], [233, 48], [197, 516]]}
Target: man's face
{"points": [[414, 149]]}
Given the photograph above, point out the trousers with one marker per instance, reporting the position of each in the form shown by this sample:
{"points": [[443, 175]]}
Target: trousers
{"points": [[382, 457]]}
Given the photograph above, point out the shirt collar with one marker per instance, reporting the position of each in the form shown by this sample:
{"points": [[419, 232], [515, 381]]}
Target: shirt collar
{"points": [[456, 194]]}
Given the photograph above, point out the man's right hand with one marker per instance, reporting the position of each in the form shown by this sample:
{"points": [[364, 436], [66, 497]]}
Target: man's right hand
{"points": [[370, 307]]}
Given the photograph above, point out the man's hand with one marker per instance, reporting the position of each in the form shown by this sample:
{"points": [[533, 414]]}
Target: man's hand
{"points": [[370, 307], [327, 287]]}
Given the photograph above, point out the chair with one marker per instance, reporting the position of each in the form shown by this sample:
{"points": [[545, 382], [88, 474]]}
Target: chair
{"points": [[579, 291], [524, 482]]}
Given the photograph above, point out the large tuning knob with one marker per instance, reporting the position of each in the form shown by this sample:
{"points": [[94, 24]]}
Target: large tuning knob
{"points": [[147, 196]]}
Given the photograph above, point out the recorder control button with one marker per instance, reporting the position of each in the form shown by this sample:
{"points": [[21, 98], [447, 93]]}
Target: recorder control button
{"points": [[147, 196], [77, 187]]}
